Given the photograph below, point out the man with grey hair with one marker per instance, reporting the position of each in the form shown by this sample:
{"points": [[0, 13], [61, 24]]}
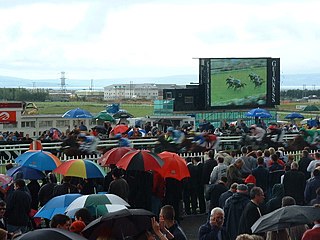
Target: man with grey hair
{"points": [[213, 229]]}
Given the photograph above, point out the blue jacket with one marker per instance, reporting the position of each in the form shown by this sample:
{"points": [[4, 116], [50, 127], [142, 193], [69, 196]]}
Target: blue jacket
{"points": [[208, 232]]}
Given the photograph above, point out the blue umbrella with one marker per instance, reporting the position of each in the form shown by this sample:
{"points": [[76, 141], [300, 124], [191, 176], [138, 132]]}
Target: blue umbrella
{"points": [[77, 113], [294, 115], [56, 205], [257, 112], [263, 115], [26, 172]]}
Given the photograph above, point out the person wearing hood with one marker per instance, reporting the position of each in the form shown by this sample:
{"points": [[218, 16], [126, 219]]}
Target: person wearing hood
{"points": [[233, 209], [275, 201]]}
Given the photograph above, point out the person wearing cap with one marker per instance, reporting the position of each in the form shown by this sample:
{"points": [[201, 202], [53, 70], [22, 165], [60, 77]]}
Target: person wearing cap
{"points": [[234, 208], [252, 211], [257, 133], [77, 226], [224, 196]]}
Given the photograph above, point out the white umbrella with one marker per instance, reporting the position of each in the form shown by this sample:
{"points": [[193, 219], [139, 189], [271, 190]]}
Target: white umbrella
{"points": [[98, 210]]}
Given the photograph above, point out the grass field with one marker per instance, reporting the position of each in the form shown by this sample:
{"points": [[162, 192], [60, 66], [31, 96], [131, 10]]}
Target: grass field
{"points": [[221, 95], [137, 109]]}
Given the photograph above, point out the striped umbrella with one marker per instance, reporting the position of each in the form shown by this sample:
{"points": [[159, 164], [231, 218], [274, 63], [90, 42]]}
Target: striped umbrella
{"points": [[80, 168]]}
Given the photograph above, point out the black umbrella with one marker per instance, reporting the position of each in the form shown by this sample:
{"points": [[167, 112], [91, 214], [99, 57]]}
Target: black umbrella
{"points": [[50, 234], [286, 217], [120, 224], [122, 114]]}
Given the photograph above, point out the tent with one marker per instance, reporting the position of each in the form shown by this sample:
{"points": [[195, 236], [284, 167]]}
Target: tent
{"points": [[311, 108]]}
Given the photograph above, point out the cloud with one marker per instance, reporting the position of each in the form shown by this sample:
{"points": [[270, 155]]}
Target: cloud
{"points": [[105, 39]]}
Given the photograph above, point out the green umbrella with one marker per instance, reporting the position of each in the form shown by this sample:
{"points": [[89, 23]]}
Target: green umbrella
{"points": [[104, 116]]}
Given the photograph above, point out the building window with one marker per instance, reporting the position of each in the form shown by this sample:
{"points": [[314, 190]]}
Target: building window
{"points": [[10, 125], [168, 95], [188, 99], [31, 124], [63, 123], [45, 124]]}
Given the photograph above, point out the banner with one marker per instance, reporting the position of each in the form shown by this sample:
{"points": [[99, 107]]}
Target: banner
{"points": [[8, 117]]}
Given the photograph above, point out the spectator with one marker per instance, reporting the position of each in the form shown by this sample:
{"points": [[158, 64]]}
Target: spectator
{"points": [[3, 220], [234, 208], [252, 211], [166, 219], [119, 185], [276, 198], [189, 191], [65, 187], [213, 229], [294, 184], [46, 191], [218, 171], [199, 184], [208, 166], [261, 174], [317, 199], [249, 163], [215, 192], [304, 162], [314, 233], [60, 221], [83, 215], [314, 163], [77, 226], [83, 127], [233, 172], [312, 185], [18, 207], [224, 196]]}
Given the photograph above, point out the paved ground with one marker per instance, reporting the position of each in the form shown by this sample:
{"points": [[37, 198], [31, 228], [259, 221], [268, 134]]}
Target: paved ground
{"points": [[191, 223]]}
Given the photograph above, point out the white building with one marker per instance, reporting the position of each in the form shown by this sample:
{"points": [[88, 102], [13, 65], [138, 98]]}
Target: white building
{"points": [[134, 91]]}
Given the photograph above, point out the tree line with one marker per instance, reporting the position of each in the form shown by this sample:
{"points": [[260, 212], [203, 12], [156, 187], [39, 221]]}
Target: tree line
{"points": [[22, 94], [298, 93]]}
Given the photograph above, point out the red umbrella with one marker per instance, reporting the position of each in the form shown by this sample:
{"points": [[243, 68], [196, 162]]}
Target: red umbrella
{"points": [[119, 129], [174, 166], [113, 155], [141, 160]]}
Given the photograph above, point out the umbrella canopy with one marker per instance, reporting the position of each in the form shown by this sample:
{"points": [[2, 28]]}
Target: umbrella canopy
{"points": [[122, 114], [113, 155], [77, 113], [80, 168], [26, 173], [141, 160], [5, 179], [56, 205], [99, 210], [294, 115], [126, 222], [311, 108], [39, 160], [50, 234], [96, 203], [257, 112], [119, 129], [286, 217], [305, 121], [104, 116], [174, 166]]}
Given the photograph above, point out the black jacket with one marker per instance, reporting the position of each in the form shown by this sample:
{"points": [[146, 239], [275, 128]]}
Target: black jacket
{"points": [[18, 208], [294, 184], [249, 216], [208, 165], [208, 232]]}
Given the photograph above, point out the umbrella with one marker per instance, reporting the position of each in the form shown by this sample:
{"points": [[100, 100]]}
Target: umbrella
{"points": [[98, 210], [286, 217], [77, 113], [26, 173], [95, 203], [100, 129], [80, 168], [257, 112], [174, 166], [119, 224], [141, 160], [305, 121], [56, 205], [5, 179], [113, 155], [38, 159], [294, 115], [50, 234], [104, 116], [122, 114], [119, 129]]}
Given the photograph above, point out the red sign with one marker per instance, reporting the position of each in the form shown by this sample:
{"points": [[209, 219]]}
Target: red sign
{"points": [[10, 105], [8, 117]]}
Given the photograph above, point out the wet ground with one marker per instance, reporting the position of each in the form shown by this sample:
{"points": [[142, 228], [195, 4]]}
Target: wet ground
{"points": [[191, 223]]}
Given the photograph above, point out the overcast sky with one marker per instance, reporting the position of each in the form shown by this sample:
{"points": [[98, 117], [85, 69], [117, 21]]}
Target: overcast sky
{"points": [[96, 39]]}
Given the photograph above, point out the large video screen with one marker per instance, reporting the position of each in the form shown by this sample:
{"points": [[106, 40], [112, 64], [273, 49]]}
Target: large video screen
{"points": [[240, 82]]}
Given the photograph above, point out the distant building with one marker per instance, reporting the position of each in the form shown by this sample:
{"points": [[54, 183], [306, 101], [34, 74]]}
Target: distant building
{"points": [[137, 91], [90, 94]]}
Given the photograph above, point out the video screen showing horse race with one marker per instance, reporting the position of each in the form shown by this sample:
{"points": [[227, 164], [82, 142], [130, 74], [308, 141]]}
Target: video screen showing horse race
{"points": [[238, 82]]}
